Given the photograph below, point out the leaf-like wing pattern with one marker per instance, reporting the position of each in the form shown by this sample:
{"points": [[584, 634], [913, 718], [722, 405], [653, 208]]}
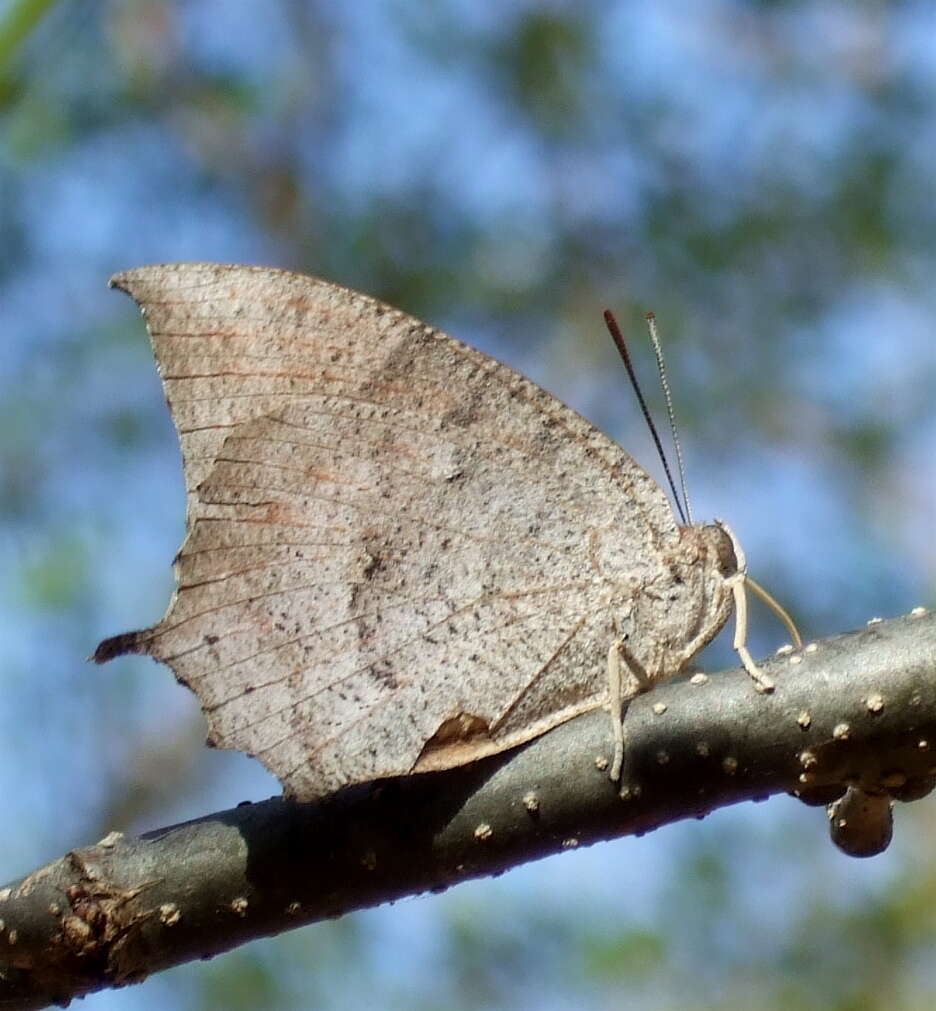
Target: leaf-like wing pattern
{"points": [[401, 554]]}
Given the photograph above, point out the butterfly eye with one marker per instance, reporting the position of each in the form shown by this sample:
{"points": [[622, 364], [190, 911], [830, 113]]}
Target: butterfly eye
{"points": [[724, 552]]}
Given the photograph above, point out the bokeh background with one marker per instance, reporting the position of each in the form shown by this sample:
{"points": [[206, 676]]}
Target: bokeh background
{"points": [[761, 174]]}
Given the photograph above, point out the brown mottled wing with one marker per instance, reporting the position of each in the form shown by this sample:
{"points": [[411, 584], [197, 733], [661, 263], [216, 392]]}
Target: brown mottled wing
{"points": [[391, 559]]}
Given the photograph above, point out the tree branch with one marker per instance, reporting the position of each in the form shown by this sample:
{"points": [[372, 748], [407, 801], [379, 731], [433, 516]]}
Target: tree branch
{"points": [[856, 710]]}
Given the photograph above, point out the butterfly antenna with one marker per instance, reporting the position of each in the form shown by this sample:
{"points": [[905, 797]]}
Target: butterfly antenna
{"points": [[621, 345], [664, 382]]}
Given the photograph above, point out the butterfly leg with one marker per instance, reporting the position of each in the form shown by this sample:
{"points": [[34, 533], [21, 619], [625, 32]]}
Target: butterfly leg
{"points": [[739, 592], [616, 702], [637, 681], [761, 680]]}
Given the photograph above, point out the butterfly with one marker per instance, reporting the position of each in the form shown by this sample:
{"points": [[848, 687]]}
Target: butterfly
{"points": [[401, 555]]}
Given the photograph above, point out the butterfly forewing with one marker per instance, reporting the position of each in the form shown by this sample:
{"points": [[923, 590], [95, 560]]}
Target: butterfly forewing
{"points": [[400, 552]]}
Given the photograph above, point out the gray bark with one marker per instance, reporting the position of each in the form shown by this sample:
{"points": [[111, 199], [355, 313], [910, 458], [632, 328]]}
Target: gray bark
{"points": [[857, 711]]}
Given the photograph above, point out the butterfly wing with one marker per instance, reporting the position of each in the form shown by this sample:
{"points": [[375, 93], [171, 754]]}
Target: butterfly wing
{"points": [[397, 547]]}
